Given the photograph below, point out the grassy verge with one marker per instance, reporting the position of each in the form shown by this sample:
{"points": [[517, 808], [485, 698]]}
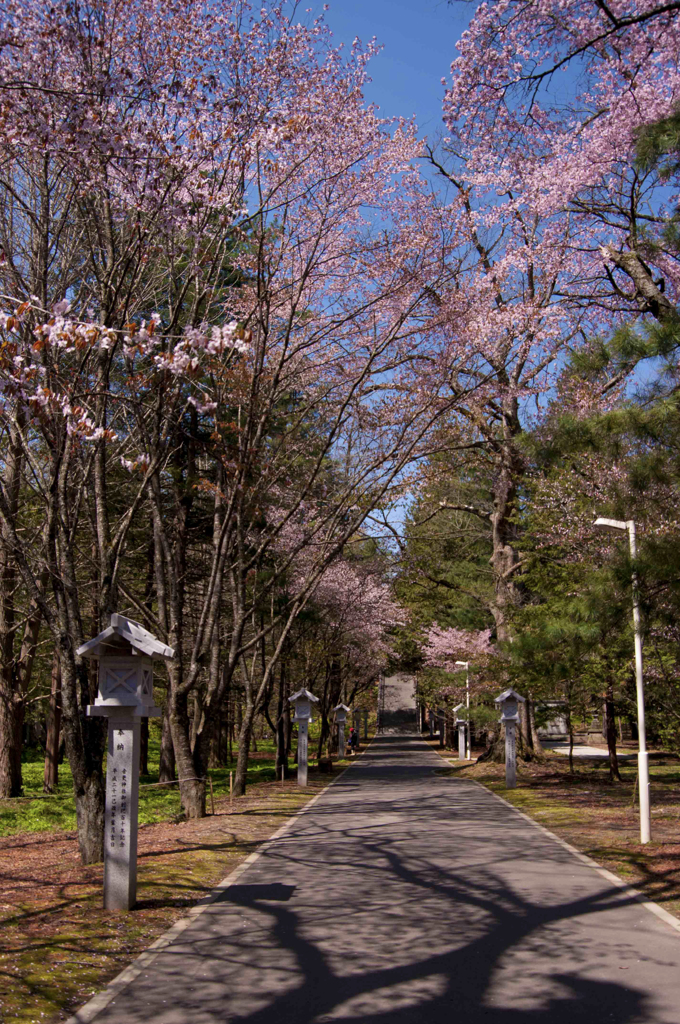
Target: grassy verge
{"points": [[36, 811], [600, 818], [58, 946]]}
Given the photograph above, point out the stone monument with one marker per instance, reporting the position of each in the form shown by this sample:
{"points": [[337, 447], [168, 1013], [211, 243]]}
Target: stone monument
{"points": [[302, 703], [365, 725], [341, 712], [125, 651], [508, 703]]}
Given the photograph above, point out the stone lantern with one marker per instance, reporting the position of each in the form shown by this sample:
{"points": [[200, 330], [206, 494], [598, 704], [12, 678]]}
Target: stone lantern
{"points": [[509, 701], [126, 652], [302, 703], [341, 712], [461, 723]]}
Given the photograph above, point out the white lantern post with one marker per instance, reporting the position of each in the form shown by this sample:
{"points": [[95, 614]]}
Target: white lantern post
{"points": [[460, 722], [622, 526], [125, 651], [466, 666], [302, 702], [508, 701], [341, 712]]}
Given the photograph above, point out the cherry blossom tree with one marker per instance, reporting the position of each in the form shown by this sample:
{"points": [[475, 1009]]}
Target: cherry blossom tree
{"points": [[444, 647], [564, 230], [550, 99], [214, 289]]}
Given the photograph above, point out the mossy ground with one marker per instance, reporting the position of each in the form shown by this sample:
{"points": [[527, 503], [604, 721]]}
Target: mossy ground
{"points": [[601, 818]]}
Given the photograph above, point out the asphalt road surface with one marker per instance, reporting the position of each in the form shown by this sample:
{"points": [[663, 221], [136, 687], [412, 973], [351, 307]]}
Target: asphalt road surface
{"points": [[402, 896]]}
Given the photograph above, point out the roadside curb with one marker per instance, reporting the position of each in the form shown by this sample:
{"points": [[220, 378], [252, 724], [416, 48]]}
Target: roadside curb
{"points": [[94, 1006]]}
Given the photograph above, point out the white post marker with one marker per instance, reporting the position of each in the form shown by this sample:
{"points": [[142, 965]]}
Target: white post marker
{"points": [[125, 651], [341, 712], [507, 702], [430, 718], [460, 722], [621, 526], [302, 702], [466, 666]]}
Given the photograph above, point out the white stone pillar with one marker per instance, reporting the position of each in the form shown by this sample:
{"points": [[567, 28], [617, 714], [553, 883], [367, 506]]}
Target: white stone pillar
{"points": [[122, 805], [303, 727], [508, 702], [461, 741], [510, 754], [341, 739], [365, 725]]}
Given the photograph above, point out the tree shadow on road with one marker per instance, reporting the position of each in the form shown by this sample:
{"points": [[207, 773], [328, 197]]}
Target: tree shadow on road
{"points": [[377, 918]]}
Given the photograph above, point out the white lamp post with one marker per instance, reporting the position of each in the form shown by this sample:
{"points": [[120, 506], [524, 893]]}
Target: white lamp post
{"points": [[620, 526], [466, 666], [302, 702]]}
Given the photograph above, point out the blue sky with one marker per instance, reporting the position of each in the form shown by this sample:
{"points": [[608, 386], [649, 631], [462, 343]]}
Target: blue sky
{"points": [[419, 38]]}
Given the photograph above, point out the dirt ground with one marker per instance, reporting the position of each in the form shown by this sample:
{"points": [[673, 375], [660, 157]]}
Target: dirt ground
{"points": [[58, 946]]}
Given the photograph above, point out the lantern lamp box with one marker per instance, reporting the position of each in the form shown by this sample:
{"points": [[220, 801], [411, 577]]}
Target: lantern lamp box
{"points": [[341, 712], [508, 701], [126, 652], [302, 702]]}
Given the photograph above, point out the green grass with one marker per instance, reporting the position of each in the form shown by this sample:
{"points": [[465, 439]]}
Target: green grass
{"points": [[36, 811]]}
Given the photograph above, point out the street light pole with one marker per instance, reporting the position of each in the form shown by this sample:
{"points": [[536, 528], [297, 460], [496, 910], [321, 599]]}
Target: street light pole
{"points": [[466, 666], [619, 526]]}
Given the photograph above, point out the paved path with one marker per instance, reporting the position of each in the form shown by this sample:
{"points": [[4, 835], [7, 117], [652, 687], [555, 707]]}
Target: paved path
{"points": [[402, 897], [590, 753]]}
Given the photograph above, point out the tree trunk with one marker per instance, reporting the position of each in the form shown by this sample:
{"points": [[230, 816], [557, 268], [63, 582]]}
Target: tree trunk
{"points": [[11, 735], [282, 770], [570, 730], [11, 696], [495, 751], [610, 724], [51, 775], [504, 530], [191, 786], [248, 718], [166, 768], [85, 741], [533, 731]]}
